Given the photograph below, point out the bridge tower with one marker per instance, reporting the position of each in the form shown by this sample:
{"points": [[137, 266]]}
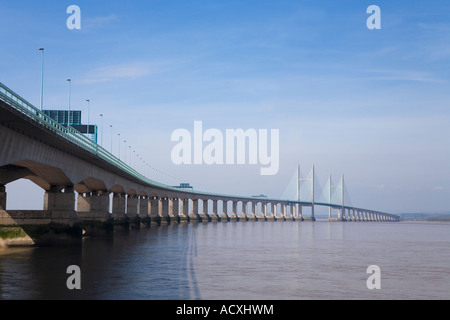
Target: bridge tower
{"points": [[340, 204], [299, 181]]}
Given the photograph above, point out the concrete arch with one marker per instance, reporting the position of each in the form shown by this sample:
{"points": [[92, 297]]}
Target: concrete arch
{"points": [[117, 189], [131, 192], [43, 175], [89, 185]]}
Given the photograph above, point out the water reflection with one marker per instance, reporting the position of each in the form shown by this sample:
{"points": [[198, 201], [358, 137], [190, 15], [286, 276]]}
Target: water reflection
{"points": [[244, 260], [145, 264]]}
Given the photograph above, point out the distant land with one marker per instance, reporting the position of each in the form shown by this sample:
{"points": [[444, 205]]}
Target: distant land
{"points": [[416, 216], [426, 216]]}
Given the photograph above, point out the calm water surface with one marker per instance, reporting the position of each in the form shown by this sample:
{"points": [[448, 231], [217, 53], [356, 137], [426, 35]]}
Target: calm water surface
{"points": [[244, 260]]}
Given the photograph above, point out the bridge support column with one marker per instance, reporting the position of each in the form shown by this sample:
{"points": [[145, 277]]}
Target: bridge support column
{"points": [[119, 210], [93, 209], [194, 215], [164, 212], [244, 211], [215, 216], [132, 210], [57, 224], [2, 197], [63, 224], [93, 206], [224, 215], [283, 211], [264, 211], [234, 216], [253, 211], [256, 210], [174, 214], [54, 199], [144, 213], [184, 210], [273, 212], [300, 212], [155, 211], [204, 216], [292, 211]]}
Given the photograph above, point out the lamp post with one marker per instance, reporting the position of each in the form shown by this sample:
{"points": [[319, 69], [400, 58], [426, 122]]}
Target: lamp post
{"points": [[111, 136], [101, 133], [119, 144], [125, 159], [88, 126], [68, 115], [42, 78]]}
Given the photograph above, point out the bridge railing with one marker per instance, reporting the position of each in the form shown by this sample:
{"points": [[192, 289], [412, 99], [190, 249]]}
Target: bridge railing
{"points": [[67, 132]]}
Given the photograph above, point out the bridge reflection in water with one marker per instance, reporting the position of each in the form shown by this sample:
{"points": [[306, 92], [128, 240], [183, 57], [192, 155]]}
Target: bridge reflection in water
{"points": [[64, 163]]}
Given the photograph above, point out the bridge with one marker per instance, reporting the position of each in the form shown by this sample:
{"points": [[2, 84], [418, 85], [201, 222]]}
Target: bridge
{"points": [[87, 189]]}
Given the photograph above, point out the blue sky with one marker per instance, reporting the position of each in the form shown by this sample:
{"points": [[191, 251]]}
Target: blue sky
{"points": [[373, 104]]}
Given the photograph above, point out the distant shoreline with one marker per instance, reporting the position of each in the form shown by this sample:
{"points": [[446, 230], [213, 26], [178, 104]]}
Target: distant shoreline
{"points": [[439, 218]]}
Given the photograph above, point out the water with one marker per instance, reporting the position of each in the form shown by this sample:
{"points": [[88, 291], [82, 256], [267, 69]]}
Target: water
{"points": [[249, 261]]}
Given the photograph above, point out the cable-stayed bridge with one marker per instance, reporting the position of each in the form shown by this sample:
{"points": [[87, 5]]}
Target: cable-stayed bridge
{"points": [[87, 186], [307, 191]]}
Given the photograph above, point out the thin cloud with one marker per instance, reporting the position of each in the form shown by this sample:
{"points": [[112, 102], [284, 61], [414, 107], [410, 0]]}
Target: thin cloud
{"points": [[97, 22], [404, 75], [117, 72]]}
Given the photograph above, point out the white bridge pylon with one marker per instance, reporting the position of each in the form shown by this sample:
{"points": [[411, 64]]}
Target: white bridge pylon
{"points": [[307, 190]]}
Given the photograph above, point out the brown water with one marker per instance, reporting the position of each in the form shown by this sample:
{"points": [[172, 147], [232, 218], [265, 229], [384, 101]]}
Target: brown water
{"points": [[244, 260]]}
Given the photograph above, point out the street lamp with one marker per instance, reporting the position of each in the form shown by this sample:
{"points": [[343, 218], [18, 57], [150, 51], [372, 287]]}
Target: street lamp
{"points": [[89, 128], [125, 159], [101, 133], [42, 78], [119, 144], [111, 136], [68, 116]]}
